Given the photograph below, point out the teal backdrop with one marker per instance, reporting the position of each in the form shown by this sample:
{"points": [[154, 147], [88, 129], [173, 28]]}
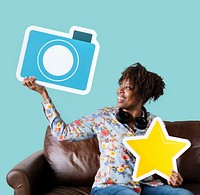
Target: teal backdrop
{"points": [[162, 35]]}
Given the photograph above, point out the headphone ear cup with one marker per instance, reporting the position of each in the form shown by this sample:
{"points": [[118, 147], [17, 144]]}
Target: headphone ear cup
{"points": [[141, 122], [122, 117]]}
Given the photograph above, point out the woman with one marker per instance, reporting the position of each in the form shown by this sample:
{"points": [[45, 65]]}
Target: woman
{"points": [[110, 126]]}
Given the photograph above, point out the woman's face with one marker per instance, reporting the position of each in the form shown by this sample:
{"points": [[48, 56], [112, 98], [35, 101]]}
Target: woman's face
{"points": [[127, 98]]}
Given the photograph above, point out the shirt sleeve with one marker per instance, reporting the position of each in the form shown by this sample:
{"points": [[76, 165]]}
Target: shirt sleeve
{"points": [[78, 130]]}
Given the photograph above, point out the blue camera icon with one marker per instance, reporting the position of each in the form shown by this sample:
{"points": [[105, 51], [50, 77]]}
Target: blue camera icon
{"points": [[59, 60]]}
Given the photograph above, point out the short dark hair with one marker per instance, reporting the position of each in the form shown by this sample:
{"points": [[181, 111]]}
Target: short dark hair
{"points": [[148, 85]]}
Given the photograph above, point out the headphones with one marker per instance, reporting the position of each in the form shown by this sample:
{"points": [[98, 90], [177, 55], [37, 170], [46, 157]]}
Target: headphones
{"points": [[140, 122]]}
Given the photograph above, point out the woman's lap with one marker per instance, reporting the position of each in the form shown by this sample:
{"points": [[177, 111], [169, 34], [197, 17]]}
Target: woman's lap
{"points": [[146, 190], [113, 190], [164, 190]]}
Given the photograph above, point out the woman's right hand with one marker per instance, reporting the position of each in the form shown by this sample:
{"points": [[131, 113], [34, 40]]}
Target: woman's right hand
{"points": [[30, 83]]}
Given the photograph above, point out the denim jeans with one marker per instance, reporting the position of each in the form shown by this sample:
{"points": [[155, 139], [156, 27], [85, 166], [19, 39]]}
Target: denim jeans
{"points": [[113, 190], [164, 190], [146, 190]]}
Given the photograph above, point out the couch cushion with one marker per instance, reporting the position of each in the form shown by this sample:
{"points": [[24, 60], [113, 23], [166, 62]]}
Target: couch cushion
{"points": [[73, 163], [64, 190], [189, 162], [193, 187]]}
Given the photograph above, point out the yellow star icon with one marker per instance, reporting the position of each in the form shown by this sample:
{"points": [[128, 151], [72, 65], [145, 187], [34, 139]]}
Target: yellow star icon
{"points": [[156, 151]]}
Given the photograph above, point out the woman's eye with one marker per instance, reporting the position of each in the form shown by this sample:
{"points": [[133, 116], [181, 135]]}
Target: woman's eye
{"points": [[128, 87]]}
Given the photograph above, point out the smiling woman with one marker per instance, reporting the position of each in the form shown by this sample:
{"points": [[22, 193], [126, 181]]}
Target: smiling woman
{"points": [[137, 86], [147, 85], [114, 176]]}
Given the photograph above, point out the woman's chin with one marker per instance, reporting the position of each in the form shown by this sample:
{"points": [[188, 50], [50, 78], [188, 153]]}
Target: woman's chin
{"points": [[120, 105]]}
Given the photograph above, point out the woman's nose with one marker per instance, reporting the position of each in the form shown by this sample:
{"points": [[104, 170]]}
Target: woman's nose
{"points": [[121, 89]]}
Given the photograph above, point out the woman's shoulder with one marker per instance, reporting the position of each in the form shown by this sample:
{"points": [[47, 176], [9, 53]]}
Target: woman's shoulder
{"points": [[105, 111], [150, 115], [108, 109]]}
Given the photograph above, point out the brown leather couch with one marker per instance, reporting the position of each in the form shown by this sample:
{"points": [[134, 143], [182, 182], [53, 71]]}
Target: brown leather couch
{"points": [[69, 168]]}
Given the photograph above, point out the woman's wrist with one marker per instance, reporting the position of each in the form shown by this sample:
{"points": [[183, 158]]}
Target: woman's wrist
{"points": [[45, 94]]}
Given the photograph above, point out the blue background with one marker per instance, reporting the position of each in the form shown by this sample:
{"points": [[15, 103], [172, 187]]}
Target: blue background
{"points": [[162, 35]]}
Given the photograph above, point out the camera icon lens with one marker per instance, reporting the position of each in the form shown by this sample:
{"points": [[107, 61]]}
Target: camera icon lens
{"points": [[59, 60]]}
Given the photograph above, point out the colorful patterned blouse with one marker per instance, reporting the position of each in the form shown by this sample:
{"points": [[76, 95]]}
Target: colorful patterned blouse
{"points": [[116, 162]]}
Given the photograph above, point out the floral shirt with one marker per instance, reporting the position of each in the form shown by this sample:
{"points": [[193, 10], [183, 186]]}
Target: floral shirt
{"points": [[116, 162]]}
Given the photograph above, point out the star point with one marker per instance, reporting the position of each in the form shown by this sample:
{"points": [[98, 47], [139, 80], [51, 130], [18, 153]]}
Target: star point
{"points": [[156, 151]]}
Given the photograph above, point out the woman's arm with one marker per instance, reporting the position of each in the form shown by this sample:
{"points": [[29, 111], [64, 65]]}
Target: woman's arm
{"points": [[78, 130]]}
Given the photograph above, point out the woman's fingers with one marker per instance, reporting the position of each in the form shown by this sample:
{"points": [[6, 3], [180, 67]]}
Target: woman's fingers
{"points": [[175, 179], [29, 82]]}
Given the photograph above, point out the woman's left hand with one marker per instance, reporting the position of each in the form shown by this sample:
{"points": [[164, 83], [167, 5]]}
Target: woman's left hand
{"points": [[175, 179]]}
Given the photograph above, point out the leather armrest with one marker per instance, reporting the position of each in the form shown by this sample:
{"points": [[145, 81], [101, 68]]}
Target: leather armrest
{"points": [[30, 176]]}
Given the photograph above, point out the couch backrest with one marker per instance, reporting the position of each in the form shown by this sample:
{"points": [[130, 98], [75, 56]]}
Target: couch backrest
{"points": [[189, 162], [73, 163], [77, 163]]}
